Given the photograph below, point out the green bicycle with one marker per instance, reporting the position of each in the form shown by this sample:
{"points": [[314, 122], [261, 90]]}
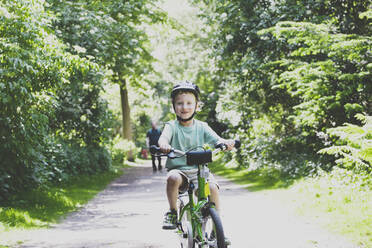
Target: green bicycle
{"points": [[199, 224]]}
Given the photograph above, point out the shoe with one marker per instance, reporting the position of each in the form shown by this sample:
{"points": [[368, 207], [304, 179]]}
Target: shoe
{"points": [[170, 220], [154, 168], [160, 167]]}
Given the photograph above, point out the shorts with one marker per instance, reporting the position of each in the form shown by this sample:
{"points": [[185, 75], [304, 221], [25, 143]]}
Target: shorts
{"points": [[192, 176]]}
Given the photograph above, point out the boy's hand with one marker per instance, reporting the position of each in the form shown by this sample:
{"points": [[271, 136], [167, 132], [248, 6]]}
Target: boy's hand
{"points": [[230, 143], [165, 148]]}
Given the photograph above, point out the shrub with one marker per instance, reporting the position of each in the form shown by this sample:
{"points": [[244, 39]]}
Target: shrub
{"points": [[121, 149], [353, 148]]}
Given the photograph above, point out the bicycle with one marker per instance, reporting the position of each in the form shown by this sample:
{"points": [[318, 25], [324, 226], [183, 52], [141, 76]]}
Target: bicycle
{"points": [[198, 221]]}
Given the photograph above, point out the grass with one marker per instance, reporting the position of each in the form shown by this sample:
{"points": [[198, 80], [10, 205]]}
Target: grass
{"points": [[42, 207], [253, 180], [339, 201], [342, 206]]}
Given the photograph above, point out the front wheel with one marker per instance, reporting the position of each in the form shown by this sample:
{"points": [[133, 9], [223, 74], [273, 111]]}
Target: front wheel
{"points": [[185, 227], [213, 230]]}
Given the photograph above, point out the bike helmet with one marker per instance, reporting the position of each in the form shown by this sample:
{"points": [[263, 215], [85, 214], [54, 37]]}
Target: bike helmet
{"points": [[185, 86]]}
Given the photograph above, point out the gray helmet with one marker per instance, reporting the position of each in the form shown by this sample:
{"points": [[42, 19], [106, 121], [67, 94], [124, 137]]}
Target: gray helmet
{"points": [[185, 86]]}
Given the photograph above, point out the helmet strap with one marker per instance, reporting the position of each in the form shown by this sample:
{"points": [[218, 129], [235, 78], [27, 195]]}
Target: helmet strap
{"points": [[184, 120], [188, 119]]}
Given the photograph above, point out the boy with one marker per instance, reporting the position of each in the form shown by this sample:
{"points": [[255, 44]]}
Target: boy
{"points": [[183, 134]]}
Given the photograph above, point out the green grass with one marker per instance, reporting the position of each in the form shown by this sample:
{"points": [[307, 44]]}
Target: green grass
{"points": [[42, 207], [342, 206], [252, 180], [339, 201]]}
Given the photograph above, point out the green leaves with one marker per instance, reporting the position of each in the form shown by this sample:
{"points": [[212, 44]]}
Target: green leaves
{"points": [[354, 146], [37, 79], [108, 33], [300, 67]]}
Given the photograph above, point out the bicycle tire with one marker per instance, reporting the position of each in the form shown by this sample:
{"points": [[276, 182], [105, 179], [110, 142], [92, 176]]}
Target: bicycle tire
{"points": [[185, 227], [213, 229]]}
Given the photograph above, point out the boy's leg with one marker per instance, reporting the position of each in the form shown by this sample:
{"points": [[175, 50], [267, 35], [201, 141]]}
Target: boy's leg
{"points": [[215, 196], [174, 181], [214, 189]]}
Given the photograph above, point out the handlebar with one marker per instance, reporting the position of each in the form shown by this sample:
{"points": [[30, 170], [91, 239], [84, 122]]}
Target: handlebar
{"points": [[194, 157]]}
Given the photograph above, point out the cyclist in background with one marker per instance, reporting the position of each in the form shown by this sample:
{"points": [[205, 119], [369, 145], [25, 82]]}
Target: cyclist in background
{"points": [[184, 134], [152, 138]]}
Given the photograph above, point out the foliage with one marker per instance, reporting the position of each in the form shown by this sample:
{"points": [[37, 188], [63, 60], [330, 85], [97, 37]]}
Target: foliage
{"points": [[120, 149], [107, 32], [289, 70], [354, 144], [55, 58], [51, 110], [111, 33]]}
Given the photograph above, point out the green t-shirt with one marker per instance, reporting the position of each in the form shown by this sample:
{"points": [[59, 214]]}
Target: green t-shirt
{"points": [[185, 138]]}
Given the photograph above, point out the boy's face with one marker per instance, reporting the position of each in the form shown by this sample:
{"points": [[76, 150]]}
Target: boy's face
{"points": [[184, 105]]}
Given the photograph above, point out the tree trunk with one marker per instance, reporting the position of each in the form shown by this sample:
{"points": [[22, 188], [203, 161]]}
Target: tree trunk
{"points": [[125, 110]]}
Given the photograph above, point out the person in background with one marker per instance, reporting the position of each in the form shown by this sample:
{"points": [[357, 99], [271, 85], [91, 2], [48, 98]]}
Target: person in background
{"points": [[152, 138]]}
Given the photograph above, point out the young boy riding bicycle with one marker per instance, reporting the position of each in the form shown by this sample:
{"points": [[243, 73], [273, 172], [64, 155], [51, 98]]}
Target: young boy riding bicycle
{"points": [[184, 134]]}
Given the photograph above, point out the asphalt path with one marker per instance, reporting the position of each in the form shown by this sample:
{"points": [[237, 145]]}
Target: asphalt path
{"points": [[129, 213]]}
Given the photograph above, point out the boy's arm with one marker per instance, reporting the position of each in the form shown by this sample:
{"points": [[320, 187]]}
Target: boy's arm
{"points": [[165, 138], [164, 145]]}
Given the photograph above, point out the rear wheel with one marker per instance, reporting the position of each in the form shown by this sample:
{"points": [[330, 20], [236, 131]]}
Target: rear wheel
{"points": [[213, 230]]}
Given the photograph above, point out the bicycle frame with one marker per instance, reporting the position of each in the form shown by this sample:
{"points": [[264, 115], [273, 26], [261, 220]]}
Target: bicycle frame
{"points": [[202, 211], [194, 210]]}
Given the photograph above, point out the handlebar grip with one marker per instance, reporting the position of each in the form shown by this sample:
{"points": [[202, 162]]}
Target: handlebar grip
{"points": [[222, 146], [237, 144], [154, 149]]}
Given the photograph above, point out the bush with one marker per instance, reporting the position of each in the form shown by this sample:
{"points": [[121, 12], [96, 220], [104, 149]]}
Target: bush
{"points": [[123, 149], [51, 108], [353, 148]]}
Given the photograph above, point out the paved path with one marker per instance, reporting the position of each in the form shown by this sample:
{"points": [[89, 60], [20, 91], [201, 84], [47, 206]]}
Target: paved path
{"points": [[128, 214]]}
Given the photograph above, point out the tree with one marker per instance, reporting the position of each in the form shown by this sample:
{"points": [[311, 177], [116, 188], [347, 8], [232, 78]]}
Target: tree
{"points": [[321, 57], [53, 122], [109, 33]]}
